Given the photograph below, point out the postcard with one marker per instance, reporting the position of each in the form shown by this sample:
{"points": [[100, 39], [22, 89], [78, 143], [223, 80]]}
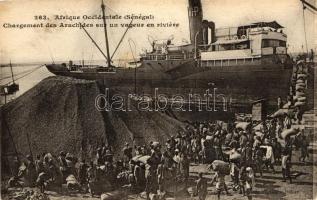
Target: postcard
{"points": [[148, 99]]}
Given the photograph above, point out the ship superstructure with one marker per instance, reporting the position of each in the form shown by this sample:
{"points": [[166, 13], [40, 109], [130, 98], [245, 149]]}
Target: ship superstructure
{"points": [[257, 43]]}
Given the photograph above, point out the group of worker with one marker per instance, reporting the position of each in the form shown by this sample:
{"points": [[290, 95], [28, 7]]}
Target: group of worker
{"points": [[154, 166]]}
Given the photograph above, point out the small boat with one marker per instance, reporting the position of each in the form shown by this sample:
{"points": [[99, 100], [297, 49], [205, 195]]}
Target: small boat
{"points": [[9, 88]]}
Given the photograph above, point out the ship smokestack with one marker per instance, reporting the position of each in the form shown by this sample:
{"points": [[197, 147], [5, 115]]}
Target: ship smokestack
{"points": [[212, 27], [195, 17], [205, 25]]}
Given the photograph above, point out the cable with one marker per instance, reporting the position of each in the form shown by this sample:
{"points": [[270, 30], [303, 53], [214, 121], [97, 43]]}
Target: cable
{"points": [[111, 9], [130, 40], [17, 74], [26, 74], [135, 72], [311, 10]]}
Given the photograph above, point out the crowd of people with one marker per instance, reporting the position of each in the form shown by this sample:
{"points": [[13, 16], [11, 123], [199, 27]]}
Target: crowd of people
{"points": [[246, 150]]}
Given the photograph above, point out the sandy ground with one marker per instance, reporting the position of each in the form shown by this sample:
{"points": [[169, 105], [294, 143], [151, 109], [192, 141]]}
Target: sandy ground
{"points": [[270, 186]]}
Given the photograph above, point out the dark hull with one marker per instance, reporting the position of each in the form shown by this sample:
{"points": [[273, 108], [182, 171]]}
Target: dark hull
{"points": [[241, 85]]}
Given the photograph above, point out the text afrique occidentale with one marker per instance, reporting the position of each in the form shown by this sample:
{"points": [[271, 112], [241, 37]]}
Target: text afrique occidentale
{"points": [[112, 17], [117, 17]]}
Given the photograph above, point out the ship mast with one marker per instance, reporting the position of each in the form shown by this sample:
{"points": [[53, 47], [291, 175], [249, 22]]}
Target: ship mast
{"points": [[11, 72], [106, 34]]}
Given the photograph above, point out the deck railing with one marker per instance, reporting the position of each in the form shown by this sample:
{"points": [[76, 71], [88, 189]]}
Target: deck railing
{"points": [[183, 56], [228, 62]]}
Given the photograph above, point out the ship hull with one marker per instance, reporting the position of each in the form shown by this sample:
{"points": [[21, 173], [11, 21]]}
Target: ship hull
{"points": [[240, 85]]}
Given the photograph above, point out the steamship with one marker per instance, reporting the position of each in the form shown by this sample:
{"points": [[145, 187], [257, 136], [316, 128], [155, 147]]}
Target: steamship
{"points": [[245, 63]]}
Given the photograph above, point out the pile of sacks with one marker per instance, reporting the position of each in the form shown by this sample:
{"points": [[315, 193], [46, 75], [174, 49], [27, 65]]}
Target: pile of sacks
{"points": [[300, 87], [28, 194], [300, 82]]}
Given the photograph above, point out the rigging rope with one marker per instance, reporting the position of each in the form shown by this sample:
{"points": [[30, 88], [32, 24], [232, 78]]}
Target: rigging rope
{"points": [[17, 74], [311, 10], [30, 72], [111, 42], [304, 7]]}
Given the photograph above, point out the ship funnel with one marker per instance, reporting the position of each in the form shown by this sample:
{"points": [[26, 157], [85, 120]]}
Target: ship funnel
{"points": [[205, 32], [206, 25], [195, 17], [212, 27]]}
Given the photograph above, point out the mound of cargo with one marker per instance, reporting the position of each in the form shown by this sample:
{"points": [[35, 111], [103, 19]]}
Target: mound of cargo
{"points": [[59, 114], [28, 194]]}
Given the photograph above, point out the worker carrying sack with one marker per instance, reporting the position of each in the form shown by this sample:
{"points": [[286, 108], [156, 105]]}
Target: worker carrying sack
{"points": [[221, 167], [289, 132], [235, 156], [243, 125]]}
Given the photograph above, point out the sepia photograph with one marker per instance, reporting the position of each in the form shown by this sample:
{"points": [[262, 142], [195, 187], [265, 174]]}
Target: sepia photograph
{"points": [[158, 100]]}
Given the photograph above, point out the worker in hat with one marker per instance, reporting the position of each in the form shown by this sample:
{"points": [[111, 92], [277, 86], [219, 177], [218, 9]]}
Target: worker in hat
{"points": [[92, 178], [63, 165], [258, 155], [286, 165], [41, 181], [108, 156], [39, 164], [150, 175], [139, 176], [269, 155], [127, 154], [30, 170], [15, 166], [277, 149], [249, 182], [304, 143], [161, 175], [82, 172], [176, 157], [201, 186], [242, 179], [100, 157], [243, 139], [217, 146], [219, 178]]}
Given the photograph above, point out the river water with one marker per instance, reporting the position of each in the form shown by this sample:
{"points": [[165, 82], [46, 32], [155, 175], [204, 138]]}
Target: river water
{"points": [[24, 77], [28, 75]]}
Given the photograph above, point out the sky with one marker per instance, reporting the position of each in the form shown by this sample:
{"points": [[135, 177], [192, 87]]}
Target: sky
{"points": [[59, 44]]}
